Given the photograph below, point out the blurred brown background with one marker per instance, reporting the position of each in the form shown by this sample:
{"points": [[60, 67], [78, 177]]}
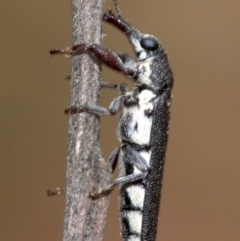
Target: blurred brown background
{"points": [[201, 186]]}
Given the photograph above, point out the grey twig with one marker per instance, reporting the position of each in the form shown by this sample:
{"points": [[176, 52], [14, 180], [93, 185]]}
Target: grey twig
{"points": [[87, 171]]}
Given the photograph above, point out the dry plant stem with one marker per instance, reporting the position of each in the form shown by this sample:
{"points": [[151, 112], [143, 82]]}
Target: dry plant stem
{"points": [[86, 170]]}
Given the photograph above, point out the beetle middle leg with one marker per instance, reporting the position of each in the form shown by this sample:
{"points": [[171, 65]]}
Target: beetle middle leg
{"points": [[114, 107]]}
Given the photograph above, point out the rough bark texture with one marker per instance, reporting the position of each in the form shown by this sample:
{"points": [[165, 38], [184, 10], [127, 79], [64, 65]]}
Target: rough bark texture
{"points": [[87, 171]]}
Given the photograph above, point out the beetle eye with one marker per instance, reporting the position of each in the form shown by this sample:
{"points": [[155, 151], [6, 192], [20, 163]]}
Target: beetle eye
{"points": [[149, 43]]}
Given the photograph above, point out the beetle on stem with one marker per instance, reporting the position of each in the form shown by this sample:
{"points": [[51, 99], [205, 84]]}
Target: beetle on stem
{"points": [[142, 129]]}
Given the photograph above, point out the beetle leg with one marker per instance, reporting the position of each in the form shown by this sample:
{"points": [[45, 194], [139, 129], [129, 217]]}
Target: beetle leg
{"points": [[122, 88], [114, 107], [139, 162], [106, 56]]}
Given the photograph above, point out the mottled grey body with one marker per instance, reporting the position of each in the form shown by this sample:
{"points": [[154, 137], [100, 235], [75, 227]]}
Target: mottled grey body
{"points": [[135, 129]]}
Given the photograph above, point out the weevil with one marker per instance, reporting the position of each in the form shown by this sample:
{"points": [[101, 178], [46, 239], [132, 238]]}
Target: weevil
{"points": [[143, 125]]}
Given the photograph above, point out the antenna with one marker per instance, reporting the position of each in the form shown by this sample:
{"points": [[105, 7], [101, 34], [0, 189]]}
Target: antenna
{"points": [[117, 7]]}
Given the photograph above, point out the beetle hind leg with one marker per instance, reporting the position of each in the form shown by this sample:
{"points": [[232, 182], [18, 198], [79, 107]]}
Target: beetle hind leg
{"points": [[113, 162], [137, 160]]}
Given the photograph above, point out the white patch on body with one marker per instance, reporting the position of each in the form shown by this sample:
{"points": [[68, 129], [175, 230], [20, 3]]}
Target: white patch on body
{"points": [[135, 221], [141, 135], [136, 195], [132, 238], [142, 55]]}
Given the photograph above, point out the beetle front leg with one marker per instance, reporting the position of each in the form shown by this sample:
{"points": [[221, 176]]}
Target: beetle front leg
{"points": [[106, 56]]}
